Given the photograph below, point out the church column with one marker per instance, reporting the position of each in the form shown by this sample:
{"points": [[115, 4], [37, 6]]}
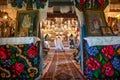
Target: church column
{"points": [[81, 24]]}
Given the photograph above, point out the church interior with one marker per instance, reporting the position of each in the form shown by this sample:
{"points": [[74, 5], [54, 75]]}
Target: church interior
{"points": [[59, 39]]}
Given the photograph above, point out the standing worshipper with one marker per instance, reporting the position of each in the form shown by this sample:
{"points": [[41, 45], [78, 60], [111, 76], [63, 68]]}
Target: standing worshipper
{"points": [[71, 41], [46, 43]]}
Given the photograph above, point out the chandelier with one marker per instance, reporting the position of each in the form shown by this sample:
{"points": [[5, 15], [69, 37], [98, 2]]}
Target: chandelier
{"points": [[55, 26]]}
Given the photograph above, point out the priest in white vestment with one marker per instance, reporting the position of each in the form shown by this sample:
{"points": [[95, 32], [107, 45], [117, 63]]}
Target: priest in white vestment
{"points": [[58, 44]]}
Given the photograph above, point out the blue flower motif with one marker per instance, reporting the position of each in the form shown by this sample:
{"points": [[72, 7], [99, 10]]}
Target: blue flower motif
{"points": [[23, 76], [116, 63], [31, 44], [7, 63], [116, 46], [19, 3], [37, 2], [90, 73], [92, 50]]}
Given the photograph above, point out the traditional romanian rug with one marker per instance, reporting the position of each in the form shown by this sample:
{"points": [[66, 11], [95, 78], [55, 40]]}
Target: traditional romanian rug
{"points": [[62, 68]]}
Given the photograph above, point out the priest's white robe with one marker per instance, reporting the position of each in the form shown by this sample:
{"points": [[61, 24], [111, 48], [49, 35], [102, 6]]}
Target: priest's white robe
{"points": [[58, 44]]}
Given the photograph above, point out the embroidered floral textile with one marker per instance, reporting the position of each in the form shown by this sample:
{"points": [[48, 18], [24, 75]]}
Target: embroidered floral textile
{"points": [[116, 63], [108, 51], [92, 50], [93, 64], [18, 68], [32, 52], [108, 69]]}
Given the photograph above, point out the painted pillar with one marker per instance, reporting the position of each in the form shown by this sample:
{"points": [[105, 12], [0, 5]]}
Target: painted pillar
{"points": [[81, 24]]}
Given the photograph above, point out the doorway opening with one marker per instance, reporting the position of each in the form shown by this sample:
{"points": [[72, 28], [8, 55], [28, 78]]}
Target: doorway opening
{"points": [[58, 63]]}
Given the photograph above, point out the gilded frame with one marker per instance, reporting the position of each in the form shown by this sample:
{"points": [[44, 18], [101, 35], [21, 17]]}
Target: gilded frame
{"points": [[94, 21], [27, 21]]}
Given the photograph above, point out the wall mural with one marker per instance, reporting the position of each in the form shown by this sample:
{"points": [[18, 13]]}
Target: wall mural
{"points": [[19, 61], [102, 62]]}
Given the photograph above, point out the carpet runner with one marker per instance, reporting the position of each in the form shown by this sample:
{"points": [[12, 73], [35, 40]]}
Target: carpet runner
{"points": [[62, 68]]}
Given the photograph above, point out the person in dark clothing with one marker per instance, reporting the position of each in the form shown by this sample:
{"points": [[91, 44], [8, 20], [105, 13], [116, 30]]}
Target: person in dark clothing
{"points": [[46, 46], [71, 41], [76, 54]]}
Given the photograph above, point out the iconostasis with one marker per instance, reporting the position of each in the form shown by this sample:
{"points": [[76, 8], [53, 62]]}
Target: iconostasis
{"points": [[112, 13], [114, 23], [59, 27]]}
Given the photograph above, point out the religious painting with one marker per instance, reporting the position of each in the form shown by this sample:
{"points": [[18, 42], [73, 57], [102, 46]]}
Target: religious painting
{"points": [[27, 23], [114, 23], [94, 21], [106, 31]]}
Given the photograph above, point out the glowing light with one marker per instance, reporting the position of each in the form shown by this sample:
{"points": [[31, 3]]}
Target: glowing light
{"points": [[5, 17], [118, 15]]}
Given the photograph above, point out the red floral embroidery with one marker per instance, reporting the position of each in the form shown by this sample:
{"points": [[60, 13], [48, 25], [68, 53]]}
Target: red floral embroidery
{"points": [[8, 53], [18, 68], [108, 69], [108, 51], [2, 49], [93, 64], [13, 0], [101, 1], [41, 1], [32, 52], [2, 53], [81, 1]]}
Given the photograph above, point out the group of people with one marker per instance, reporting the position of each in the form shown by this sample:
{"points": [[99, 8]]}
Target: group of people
{"points": [[58, 42], [59, 46]]}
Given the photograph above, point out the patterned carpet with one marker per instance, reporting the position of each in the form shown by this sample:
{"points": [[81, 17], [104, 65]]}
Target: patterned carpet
{"points": [[62, 68]]}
